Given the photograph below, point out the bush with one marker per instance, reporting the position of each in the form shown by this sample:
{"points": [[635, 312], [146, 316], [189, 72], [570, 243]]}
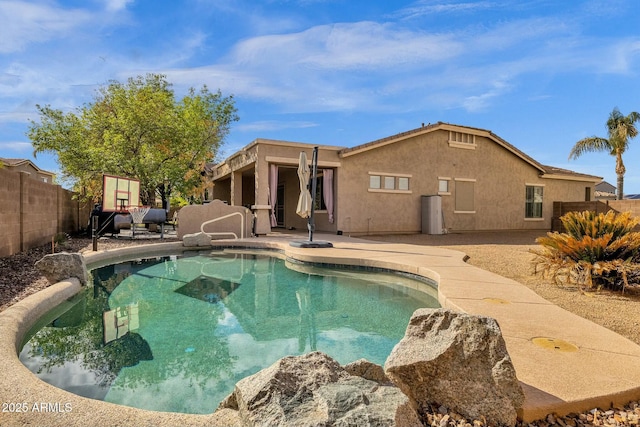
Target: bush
{"points": [[597, 250]]}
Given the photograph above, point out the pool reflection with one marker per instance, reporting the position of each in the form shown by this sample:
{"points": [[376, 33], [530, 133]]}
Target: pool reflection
{"points": [[192, 327]]}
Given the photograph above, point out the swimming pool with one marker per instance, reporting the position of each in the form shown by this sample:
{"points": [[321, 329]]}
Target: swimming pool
{"points": [[176, 333]]}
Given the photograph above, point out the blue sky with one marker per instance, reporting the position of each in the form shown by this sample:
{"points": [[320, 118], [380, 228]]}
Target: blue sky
{"points": [[541, 74]]}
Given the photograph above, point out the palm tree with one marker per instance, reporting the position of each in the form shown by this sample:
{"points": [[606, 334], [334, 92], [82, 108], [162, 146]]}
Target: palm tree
{"points": [[621, 129]]}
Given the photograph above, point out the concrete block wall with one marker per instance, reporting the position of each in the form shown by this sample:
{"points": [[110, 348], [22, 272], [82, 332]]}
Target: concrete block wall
{"points": [[10, 236], [32, 212], [72, 215], [39, 206], [632, 206], [561, 208]]}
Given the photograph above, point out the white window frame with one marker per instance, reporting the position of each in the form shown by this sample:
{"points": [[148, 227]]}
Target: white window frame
{"points": [[385, 179], [389, 183], [462, 140], [402, 183], [442, 179], [372, 179]]}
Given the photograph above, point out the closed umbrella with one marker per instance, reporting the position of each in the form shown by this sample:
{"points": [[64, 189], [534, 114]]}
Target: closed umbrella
{"points": [[304, 201]]}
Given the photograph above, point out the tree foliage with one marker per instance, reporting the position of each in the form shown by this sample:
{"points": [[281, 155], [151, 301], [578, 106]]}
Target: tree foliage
{"points": [[597, 250], [620, 129], [137, 130]]}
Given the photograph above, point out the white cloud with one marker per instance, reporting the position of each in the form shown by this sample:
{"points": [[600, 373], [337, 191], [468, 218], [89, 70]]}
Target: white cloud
{"points": [[358, 66], [426, 7], [346, 46], [623, 56], [15, 117], [17, 146], [272, 125], [24, 23], [116, 5], [480, 102]]}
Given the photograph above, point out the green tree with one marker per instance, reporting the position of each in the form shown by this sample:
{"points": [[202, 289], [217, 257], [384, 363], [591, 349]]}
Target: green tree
{"points": [[620, 129], [137, 130]]}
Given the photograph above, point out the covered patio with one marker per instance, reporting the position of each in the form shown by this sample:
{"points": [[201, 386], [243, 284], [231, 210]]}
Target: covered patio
{"points": [[263, 177]]}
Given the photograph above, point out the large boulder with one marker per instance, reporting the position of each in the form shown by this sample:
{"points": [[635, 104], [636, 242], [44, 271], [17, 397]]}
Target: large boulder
{"points": [[458, 361], [63, 266], [314, 390], [367, 370], [196, 240]]}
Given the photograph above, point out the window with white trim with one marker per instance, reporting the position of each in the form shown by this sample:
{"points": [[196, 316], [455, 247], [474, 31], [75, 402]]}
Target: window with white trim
{"points": [[533, 201], [466, 138], [389, 182], [462, 140], [403, 183], [374, 181], [443, 185]]}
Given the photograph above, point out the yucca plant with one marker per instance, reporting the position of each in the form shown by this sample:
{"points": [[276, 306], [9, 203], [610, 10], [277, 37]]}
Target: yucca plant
{"points": [[597, 250]]}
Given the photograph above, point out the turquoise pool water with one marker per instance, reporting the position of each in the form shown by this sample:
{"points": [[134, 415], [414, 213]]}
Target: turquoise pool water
{"points": [[176, 333]]}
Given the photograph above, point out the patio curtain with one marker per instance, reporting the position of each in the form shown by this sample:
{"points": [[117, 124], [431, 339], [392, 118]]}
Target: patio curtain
{"points": [[273, 192], [327, 187]]}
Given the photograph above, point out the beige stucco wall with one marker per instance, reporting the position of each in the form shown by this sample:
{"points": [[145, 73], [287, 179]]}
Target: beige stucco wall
{"points": [[500, 180], [33, 212]]}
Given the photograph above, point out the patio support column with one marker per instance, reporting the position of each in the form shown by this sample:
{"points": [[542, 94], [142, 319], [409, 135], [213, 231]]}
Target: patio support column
{"points": [[236, 188], [262, 208]]}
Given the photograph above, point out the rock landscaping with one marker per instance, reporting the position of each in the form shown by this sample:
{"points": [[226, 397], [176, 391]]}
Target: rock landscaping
{"points": [[459, 361]]}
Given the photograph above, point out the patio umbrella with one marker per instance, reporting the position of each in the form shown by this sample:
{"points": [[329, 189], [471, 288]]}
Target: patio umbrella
{"points": [[304, 201]]}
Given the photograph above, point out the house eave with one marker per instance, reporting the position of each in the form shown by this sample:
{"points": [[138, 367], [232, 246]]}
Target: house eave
{"points": [[593, 179], [224, 169]]}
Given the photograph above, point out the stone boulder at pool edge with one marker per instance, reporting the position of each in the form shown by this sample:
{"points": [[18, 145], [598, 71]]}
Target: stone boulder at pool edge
{"points": [[63, 266], [459, 361], [314, 390]]}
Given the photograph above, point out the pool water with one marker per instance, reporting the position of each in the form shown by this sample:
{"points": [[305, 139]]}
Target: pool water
{"points": [[176, 333]]}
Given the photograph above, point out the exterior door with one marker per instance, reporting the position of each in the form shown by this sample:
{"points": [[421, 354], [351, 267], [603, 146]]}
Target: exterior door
{"points": [[280, 206]]}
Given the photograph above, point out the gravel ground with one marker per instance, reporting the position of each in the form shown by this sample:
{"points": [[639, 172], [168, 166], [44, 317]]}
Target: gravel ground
{"points": [[506, 254], [19, 278]]}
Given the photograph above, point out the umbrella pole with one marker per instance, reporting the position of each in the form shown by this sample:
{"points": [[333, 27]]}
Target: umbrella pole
{"points": [[314, 177]]}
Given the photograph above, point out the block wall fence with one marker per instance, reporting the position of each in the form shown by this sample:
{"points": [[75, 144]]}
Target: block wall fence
{"points": [[33, 212], [619, 206]]}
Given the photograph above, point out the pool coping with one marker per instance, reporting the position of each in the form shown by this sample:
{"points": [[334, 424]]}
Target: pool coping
{"points": [[602, 372]]}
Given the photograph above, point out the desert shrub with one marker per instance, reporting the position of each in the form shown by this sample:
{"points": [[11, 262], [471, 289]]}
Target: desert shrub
{"points": [[597, 250]]}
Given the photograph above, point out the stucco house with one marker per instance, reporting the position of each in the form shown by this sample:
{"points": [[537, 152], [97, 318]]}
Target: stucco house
{"points": [[605, 191], [27, 166], [473, 179]]}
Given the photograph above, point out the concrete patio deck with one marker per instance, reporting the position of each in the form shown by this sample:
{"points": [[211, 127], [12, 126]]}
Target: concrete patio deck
{"points": [[564, 362]]}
